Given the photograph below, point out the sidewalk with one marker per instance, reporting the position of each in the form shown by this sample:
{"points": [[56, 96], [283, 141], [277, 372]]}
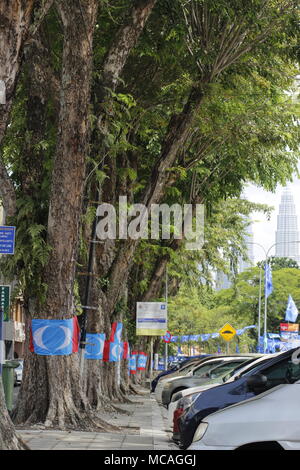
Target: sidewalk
{"points": [[144, 429]]}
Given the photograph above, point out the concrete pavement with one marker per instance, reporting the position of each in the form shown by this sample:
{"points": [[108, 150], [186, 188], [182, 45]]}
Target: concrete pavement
{"points": [[145, 428]]}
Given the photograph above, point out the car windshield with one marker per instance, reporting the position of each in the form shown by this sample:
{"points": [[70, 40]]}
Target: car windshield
{"points": [[222, 369], [252, 366], [188, 367], [207, 367]]}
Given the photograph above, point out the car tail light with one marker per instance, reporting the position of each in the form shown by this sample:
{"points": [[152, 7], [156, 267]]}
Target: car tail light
{"points": [[177, 413]]}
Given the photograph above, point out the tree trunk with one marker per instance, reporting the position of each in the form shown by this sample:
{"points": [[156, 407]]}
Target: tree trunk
{"points": [[52, 392], [101, 381], [9, 440]]}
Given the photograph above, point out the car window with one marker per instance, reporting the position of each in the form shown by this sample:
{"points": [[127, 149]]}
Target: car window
{"points": [[250, 370], [223, 368], [283, 372], [206, 368]]}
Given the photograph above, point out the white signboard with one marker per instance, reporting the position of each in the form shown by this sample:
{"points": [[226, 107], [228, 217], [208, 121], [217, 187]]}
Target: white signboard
{"points": [[151, 318]]}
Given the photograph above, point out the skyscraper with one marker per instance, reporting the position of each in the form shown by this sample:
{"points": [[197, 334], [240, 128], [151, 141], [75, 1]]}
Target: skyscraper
{"points": [[248, 240], [223, 281], [287, 228]]}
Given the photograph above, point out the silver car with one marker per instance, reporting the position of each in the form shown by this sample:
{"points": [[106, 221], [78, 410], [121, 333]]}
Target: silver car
{"points": [[201, 374]]}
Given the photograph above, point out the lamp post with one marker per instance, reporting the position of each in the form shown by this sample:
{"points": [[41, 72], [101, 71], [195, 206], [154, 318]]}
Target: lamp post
{"points": [[259, 296], [266, 252]]}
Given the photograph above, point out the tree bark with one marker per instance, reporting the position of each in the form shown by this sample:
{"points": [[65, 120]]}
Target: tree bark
{"points": [[15, 19], [52, 387], [101, 381]]}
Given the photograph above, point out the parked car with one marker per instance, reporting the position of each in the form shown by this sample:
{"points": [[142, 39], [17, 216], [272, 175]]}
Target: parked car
{"points": [[269, 421], [217, 376], [18, 373], [185, 369], [199, 375], [183, 362], [265, 376]]}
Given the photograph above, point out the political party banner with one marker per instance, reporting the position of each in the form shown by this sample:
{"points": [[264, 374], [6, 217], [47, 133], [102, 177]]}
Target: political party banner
{"points": [[141, 361], [106, 350], [151, 318], [94, 345], [125, 351], [291, 313], [133, 362], [114, 351], [204, 337], [116, 332], [54, 337]]}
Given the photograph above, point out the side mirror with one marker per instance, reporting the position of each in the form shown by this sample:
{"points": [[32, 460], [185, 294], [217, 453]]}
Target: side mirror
{"points": [[256, 382]]}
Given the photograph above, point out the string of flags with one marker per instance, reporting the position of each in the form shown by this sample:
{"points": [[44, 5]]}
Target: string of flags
{"points": [[62, 337], [205, 337]]}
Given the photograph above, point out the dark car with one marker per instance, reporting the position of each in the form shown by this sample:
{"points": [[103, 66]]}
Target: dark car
{"points": [[181, 364], [268, 374]]}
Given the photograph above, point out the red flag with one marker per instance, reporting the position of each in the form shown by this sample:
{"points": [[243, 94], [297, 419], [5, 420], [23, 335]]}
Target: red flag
{"points": [[113, 330], [106, 350], [125, 350], [76, 335], [31, 347]]}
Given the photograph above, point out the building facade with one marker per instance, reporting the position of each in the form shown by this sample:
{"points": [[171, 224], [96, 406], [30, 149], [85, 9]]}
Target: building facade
{"points": [[287, 228]]}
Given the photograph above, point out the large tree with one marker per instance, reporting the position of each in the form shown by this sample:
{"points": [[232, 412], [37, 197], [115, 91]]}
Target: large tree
{"points": [[172, 103]]}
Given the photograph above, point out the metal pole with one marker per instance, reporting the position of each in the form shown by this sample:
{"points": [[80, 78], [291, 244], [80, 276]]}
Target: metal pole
{"points": [[87, 295], [266, 303], [259, 307], [151, 360], [166, 300]]}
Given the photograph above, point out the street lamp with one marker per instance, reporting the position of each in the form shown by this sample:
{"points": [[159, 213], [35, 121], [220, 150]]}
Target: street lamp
{"points": [[259, 305]]}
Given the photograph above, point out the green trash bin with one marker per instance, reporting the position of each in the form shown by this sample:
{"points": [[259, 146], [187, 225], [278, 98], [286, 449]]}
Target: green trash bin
{"points": [[8, 382]]}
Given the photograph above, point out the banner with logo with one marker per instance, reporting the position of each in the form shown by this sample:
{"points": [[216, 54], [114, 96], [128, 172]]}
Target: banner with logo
{"points": [[133, 362], [142, 361], [94, 345], [54, 337]]}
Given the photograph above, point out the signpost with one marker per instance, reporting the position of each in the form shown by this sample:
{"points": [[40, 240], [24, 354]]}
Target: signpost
{"points": [[151, 320], [227, 332], [5, 301], [7, 247], [7, 240]]}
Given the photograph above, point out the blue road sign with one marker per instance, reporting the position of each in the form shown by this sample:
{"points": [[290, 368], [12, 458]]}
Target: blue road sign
{"points": [[7, 240]]}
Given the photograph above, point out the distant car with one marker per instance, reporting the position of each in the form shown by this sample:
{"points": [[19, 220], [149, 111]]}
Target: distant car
{"points": [[269, 421], [184, 370], [173, 367], [275, 371], [18, 373], [200, 375]]}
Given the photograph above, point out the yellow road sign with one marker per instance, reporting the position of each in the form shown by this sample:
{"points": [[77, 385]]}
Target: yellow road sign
{"points": [[227, 332]]}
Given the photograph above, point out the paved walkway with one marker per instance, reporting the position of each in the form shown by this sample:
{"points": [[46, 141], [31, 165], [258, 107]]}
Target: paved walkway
{"points": [[145, 428]]}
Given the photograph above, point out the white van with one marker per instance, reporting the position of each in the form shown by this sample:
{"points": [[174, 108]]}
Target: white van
{"points": [[270, 421]]}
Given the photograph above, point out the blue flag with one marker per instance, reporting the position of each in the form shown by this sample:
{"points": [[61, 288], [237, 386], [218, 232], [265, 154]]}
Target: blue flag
{"points": [[268, 280], [291, 310], [55, 337], [95, 345]]}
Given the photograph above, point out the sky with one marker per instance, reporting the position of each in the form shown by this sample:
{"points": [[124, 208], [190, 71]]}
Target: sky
{"points": [[264, 230]]}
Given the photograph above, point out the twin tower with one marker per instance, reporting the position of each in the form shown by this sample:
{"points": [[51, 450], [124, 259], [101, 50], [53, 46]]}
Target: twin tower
{"points": [[287, 228]]}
